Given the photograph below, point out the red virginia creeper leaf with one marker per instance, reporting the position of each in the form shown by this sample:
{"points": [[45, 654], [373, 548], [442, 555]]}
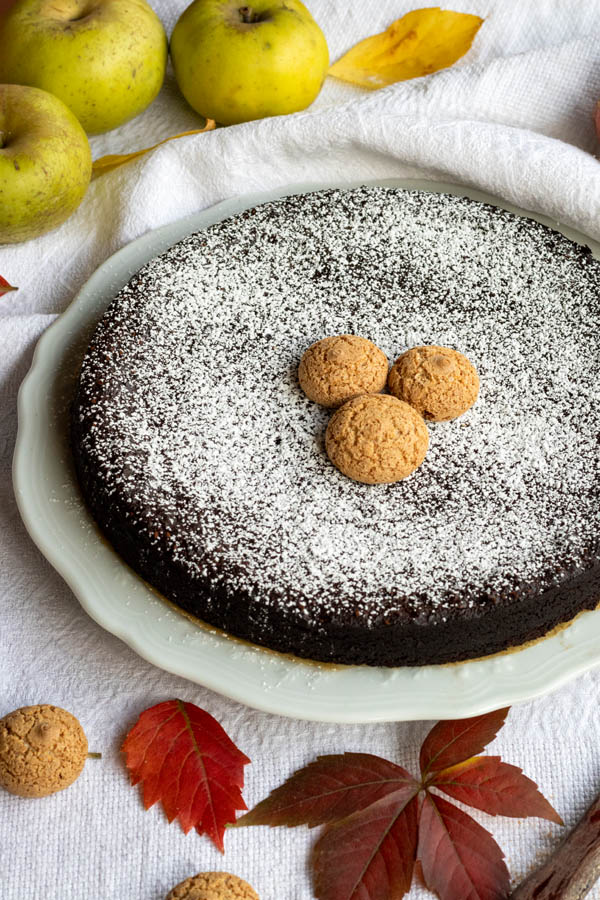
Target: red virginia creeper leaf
{"points": [[370, 855], [186, 760], [495, 787], [451, 742], [330, 788], [370, 809], [460, 859], [5, 287]]}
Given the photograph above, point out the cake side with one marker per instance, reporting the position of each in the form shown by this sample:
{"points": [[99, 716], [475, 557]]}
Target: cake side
{"points": [[504, 624]]}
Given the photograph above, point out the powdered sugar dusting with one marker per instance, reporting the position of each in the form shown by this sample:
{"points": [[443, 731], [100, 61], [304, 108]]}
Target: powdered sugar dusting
{"points": [[198, 422]]}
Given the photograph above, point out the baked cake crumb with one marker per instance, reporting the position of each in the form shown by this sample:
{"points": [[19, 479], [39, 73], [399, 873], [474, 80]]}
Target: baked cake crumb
{"points": [[336, 369], [376, 439], [438, 382]]}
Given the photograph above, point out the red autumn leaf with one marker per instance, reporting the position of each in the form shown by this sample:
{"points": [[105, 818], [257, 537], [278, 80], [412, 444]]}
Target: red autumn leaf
{"points": [[495, 787], [459, 858], [5, 287], [453, 741], [370, 855], [370, 810], [184, 758], [330, 788]]}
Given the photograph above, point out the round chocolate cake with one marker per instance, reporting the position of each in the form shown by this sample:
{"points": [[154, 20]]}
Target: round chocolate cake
{"points": [[204, 464]]}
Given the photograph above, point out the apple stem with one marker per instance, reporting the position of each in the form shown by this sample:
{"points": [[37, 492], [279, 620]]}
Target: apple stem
{"points": [[246, 15]]}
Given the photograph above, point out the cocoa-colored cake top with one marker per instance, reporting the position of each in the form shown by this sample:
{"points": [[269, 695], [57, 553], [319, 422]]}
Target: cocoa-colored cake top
{"points": [[192, 413]]}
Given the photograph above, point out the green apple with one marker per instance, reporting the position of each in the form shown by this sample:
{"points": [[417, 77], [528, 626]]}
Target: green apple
{"points": [[45, 162], [105, 59], [234, 63]]}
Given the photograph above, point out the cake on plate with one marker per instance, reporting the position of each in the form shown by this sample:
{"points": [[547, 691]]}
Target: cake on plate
{"points": [[204, 464]]}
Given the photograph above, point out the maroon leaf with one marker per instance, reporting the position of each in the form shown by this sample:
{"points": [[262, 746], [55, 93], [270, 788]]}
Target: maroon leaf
{"points": [[370, 810], [186, 760], [5, 287], [495, 787], [459, 858], [370, 855], [452, 742], [330, 788]]}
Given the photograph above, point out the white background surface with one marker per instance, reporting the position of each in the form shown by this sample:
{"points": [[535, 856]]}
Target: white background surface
{"points": [[515, 119]]}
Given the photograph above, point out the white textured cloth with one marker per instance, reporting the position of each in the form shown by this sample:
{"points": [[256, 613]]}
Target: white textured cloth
{"points": [[514, 118]]}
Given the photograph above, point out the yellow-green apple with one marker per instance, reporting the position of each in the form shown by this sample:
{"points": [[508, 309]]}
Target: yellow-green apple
{"points": [[234, 62], [105, 59], [45, 162]]}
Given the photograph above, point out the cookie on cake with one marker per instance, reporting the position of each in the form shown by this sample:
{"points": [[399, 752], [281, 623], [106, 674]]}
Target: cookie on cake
{"points": [[376, 439], [438, 382], [336, 369]]}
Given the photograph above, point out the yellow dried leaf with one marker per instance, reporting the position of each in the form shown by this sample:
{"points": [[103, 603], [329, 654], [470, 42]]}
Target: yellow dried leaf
{"points": [[421, 42], [113, 161]]}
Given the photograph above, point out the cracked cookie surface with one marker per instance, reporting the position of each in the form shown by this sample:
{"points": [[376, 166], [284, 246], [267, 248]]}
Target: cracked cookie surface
{"points": [[439, 382], [42, 750], [213, 886], [336, 369], [376, 439]]}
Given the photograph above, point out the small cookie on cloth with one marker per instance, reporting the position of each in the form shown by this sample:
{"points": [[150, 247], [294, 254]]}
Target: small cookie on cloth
{"points": [[42, 750], [213, 886], [336, 369], [376, 439], [439, 382]]}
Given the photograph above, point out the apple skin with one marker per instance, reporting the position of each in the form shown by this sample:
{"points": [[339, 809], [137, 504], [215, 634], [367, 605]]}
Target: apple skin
{"points": [[105, 59], [45, 162], [233, 70]]}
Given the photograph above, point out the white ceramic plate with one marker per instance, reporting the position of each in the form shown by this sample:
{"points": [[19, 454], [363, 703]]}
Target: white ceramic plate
{"points": [[121, 602]]}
